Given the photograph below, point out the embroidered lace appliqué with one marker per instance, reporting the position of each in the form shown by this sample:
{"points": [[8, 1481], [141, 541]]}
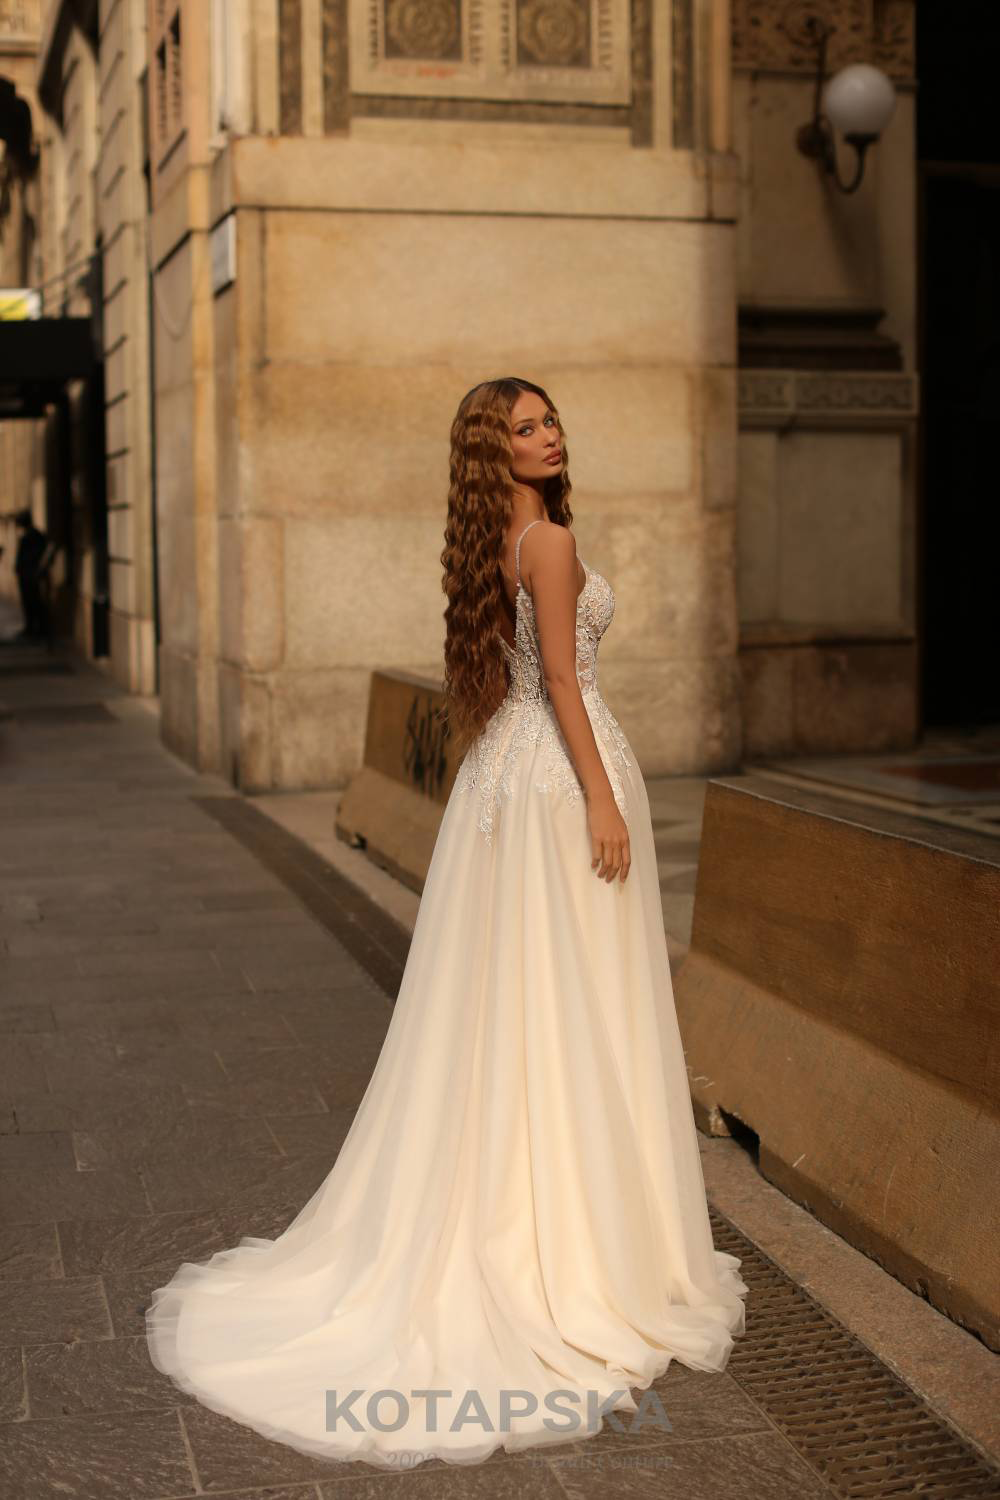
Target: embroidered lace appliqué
{"points": [[492, 764]]}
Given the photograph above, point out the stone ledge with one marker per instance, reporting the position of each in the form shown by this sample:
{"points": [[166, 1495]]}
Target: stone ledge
{"points": [[592, 181], [838, 999]]}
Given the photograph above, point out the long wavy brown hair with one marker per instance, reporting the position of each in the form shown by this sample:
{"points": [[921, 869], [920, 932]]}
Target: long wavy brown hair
{"points": [[480, 505]]}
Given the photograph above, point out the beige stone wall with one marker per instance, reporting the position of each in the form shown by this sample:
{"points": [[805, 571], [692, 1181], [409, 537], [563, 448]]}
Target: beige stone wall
{"points": [[121, 203], [799, 239], [384, 268], [186, 410], [386, 217], [827, 459], [333, 557], [90, 184], [330, 567], [187, 403]]}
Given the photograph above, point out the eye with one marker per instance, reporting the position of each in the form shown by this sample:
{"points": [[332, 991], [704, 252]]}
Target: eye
{"points": [[523, 431]]}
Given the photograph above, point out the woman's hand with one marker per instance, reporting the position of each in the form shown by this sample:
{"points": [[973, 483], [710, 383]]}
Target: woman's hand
{"points": [[608, 837]]}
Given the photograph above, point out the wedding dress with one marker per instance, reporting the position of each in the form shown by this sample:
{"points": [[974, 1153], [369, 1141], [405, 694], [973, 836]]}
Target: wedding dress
{"points": [[517, 1217]]}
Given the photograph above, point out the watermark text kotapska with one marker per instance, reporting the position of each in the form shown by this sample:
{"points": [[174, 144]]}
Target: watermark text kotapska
{"points": [[513, 1405]]}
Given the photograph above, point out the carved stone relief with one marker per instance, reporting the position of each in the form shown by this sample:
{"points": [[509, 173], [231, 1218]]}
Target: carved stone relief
{"points": [[429, 29], [775, 34], [290, 66], [19, 19], [784, 395], [894, 42], [642, 73], [857, 393], [552, 51], [336, 94], [766, 391], [682, 70], [553, 33]]}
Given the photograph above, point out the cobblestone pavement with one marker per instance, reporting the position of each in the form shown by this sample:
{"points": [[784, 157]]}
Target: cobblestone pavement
{"points": [[190, 1010]]}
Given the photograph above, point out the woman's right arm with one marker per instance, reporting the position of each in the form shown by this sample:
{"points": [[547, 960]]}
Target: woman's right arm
{"points": [[554, 589]]}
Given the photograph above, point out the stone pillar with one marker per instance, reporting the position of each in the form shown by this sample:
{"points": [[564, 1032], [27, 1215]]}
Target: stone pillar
{"points": [[458, 192], [183, 109], [829, 395]]}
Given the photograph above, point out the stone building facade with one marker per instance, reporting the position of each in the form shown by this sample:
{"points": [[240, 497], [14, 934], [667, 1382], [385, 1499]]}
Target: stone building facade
{"points": [[828, 394], [321, 221], [22, 469], [86, 463]]}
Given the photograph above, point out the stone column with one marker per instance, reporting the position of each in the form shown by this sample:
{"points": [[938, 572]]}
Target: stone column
{"points": [[183, 152], [829, 395], [533, 187]]}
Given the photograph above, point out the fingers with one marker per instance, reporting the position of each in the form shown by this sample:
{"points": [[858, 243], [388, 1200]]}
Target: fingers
{"points": [[614, 859]]}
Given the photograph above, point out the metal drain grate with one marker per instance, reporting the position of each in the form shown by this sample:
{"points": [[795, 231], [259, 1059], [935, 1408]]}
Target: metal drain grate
{"points": [[859, 1426], [58, 714]]}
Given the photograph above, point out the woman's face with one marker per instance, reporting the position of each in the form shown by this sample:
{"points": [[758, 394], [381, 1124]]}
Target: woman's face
{"points": [[535, 439]]}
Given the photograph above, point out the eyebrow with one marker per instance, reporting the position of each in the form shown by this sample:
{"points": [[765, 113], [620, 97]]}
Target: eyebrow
{"points": [[534, 419]]}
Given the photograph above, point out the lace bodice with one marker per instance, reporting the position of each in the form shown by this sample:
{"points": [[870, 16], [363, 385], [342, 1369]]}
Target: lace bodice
{"points": [[527, 717]]}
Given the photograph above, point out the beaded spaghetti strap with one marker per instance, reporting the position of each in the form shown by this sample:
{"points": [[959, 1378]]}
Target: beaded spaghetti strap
{"points": [[517, 549]]}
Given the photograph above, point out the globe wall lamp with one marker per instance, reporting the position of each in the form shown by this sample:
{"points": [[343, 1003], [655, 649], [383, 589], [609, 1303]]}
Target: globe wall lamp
{"points": [[858, 101]]}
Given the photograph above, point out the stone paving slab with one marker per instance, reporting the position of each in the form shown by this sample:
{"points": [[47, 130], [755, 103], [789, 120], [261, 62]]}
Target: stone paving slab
{"points": [[117, 1455], [184, 1040]]}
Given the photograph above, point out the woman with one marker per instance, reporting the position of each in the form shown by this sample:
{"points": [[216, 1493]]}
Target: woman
{"points": [[516, 1221]]}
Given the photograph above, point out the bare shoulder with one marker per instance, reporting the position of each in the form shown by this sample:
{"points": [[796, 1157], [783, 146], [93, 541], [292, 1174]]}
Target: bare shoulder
{"points": [[552, 553], [546, 542]]}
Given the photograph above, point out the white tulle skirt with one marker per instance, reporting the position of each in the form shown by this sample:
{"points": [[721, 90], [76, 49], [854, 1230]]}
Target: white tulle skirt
{"points": [[517, 1217]]}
